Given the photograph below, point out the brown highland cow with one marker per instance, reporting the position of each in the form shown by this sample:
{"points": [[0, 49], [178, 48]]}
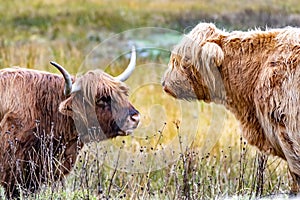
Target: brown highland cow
{"points": [[254, 74], [47, 118]]}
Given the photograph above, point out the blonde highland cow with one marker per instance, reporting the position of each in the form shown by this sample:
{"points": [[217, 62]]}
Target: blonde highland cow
{"points": [[254, 74]]}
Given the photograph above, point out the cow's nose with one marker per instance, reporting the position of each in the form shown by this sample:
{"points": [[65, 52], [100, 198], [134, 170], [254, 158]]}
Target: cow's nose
{"points": [[135, 118], [163, 83]]}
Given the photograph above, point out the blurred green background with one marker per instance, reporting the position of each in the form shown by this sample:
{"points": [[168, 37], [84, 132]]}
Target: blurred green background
{"points": [[217, 163]]}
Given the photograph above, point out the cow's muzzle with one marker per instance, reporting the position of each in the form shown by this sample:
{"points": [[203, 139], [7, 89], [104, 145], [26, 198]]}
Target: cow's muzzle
{"points": [[131, 123]]}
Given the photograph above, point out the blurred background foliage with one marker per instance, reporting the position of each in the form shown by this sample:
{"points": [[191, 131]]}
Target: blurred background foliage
{"points": [[73, 20], [217, 163]]}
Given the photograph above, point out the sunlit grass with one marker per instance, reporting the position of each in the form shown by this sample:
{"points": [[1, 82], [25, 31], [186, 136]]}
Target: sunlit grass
{"points": [[181, 148], [205, 134]]}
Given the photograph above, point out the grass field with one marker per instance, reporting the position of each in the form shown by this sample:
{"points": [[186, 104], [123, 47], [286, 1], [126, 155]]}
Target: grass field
{"points": [[182, 150]]}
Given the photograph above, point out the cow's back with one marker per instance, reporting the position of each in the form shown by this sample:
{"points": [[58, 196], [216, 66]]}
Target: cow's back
{"points": [[30, 124], [29, 93]]}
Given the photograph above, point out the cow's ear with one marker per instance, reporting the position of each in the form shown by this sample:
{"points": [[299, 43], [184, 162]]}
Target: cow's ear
{"points": [[65, 107], [211, 57], [212, 54]]}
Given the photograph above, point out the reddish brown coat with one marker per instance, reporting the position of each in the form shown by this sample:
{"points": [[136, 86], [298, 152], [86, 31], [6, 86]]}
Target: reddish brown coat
{"points": [[39, 138]]}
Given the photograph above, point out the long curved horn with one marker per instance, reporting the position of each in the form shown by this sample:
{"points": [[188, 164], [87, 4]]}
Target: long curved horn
{"points": [[76, 87], [67, 77], [128, 71]]}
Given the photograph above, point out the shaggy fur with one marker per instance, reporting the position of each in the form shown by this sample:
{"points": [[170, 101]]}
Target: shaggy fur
{"points": [[39, 143], [255, 74]]}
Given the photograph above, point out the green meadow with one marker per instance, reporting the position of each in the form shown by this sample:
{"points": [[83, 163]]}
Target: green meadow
{"points": [[181, 150]]}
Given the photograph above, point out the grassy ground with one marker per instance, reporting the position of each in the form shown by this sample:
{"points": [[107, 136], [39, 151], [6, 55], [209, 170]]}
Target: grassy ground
{"points": [[182, 149]]}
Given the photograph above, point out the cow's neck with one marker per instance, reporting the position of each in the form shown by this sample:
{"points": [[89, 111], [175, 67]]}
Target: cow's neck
{"points": [[240, 72]]}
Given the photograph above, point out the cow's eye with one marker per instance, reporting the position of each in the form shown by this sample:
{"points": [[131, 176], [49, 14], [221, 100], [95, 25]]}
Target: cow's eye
{"points": [[100, 102], [103, 101]]}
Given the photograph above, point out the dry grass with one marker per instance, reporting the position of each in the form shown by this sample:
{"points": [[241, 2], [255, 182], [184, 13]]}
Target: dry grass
{"points": [[182, 150]]}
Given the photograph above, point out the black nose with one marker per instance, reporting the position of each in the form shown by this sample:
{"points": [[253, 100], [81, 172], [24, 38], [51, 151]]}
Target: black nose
{"points": [[163, 83]]}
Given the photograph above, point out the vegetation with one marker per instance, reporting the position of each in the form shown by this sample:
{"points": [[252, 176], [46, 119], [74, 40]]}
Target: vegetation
{"points": [[182, 150]]}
